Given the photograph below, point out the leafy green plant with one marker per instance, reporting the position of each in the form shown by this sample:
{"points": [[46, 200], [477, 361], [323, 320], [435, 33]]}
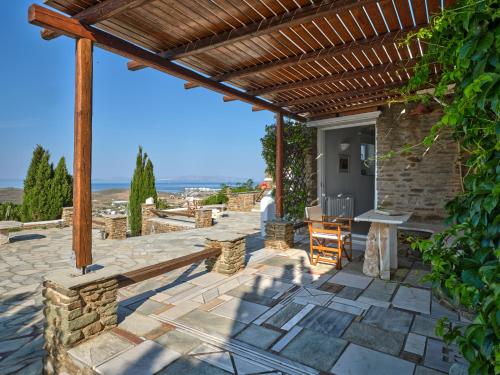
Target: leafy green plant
{"points": [[464, 42], [10, 211], [299, 141]]}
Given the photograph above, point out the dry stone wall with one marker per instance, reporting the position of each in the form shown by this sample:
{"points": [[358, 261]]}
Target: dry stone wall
{"points": [[421, 181], [279, 235], [232, 258], [243, 202], [115, 226]]}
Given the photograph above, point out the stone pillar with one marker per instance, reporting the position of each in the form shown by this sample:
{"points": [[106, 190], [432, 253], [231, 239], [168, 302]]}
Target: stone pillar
{"points": [[67, 216], [115, 226], [279, 235], [232, 258], [380, 253], [147, 211], [241, 201], [203, 218], [76, 309]]}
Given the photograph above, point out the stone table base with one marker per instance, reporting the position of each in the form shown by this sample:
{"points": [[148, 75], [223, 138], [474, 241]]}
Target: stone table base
{"points": [[381, 251]]}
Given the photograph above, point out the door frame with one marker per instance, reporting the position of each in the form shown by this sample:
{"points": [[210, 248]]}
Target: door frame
{"points": [[352, 121]]}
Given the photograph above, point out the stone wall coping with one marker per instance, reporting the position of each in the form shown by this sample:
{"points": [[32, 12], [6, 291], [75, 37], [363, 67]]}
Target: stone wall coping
{"points": [[70, 279], [180, 221], [204, 209], [226, 237], [11, 224], [42, 223], [244, 192], [116, 216]]}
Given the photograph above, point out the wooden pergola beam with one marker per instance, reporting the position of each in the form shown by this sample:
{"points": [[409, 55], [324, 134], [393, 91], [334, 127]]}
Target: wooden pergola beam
{"points": [[190, 85], [82, 160], [328, 114], [98, 13], [333, 51], [47, 18], [228, 99], [352, 100], [351, 74], [280, 157], [299, 16], [341, 94]]}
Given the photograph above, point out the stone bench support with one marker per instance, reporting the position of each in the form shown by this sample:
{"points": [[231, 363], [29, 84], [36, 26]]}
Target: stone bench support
{"points": [[203, 218], [279, 235], [115, 226], [232, 257], [6, 227], [67, 216], [77, 308]]}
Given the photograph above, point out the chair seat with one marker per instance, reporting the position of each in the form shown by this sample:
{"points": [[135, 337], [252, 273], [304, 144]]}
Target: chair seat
{"points": [[331, 236]]}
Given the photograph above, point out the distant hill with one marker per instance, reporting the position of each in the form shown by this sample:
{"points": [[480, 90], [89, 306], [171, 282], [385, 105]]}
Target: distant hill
{"points": [[195, 178]]}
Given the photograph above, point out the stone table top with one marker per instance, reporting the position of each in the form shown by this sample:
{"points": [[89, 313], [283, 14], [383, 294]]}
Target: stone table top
{"points": [[373, 216], [10, 225]]}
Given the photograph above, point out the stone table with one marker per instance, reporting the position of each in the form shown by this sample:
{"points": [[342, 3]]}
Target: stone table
{"points": [[6, 227], [381, 245]]}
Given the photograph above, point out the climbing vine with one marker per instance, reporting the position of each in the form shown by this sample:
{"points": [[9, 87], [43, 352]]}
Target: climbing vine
{"points": [[299, 142], [464, 43]]}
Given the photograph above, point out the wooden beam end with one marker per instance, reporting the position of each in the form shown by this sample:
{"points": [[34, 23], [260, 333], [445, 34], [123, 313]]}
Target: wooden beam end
{"points": [[134, 65]]}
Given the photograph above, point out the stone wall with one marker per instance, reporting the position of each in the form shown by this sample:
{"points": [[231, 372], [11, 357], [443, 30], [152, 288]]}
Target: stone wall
{"points": [[203, 218], [158, 225], [76, 309], [279, 235], [147, 212], [115, 226], [243, 202], [232, 258], [421, 181], [67, 216]]}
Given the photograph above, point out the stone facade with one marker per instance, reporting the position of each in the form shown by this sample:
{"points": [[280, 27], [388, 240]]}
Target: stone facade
{"points": [[67, 216], [232, 258], [203, 218], [243, 202], [421, 181], [115, 226], [279, 235], [76, 309]]}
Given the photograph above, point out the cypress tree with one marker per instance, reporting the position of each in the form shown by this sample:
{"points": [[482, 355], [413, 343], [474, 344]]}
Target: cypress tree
{"points": [[141, 188], [149, 184], [29, 183], [61, 194], [135, 200], [41, 203]]}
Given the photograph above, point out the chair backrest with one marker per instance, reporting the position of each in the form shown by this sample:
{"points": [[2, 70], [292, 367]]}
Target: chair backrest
{"points": [[314, 213]]}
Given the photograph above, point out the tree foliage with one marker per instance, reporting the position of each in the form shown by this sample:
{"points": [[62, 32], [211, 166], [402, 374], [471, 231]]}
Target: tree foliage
{"points": [[142, 187], [299, 140], [464, 41], [46, 191]]}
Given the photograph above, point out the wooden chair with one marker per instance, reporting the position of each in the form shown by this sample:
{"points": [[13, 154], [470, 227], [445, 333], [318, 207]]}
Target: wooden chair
{"points": [[328, 237]]}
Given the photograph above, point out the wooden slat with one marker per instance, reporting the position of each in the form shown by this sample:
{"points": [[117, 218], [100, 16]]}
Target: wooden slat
{"points": [[332, 78], [298, 16], [49, 19], [99, 12], [332, 113], [347, 101], [82, 160], [145, 273], [334, 51]]}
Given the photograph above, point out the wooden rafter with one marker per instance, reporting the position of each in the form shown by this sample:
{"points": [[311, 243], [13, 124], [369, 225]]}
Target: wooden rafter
{"points": [[334, 51], [98, 13], [341, 94], [352, 74], [354, 100], [331, 113], [55, 21], [299, 16]]}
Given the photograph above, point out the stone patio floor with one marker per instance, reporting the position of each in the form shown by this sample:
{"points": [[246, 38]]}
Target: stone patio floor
{"points": [[33, 253], [277, 316]]}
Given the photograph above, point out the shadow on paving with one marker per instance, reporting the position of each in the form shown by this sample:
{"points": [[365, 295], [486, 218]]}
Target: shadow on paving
{"points": [[21, 336]]}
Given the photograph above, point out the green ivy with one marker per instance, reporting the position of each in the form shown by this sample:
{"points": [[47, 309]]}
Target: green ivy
{"points": [[299, 139], [464, 42]]}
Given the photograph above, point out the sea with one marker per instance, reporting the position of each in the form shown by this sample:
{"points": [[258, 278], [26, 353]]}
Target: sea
{"points": [[164, 186]]}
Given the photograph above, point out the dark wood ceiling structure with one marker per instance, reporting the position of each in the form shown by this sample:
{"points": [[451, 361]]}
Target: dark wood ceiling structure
{"points": [[302, 58]]}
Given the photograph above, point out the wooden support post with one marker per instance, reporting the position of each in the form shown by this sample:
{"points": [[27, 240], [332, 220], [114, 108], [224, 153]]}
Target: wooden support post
{"points": [[279, 165], [82, 200]]}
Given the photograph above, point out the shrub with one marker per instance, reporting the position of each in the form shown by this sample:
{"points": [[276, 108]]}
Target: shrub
{"points": [[10, 211]]}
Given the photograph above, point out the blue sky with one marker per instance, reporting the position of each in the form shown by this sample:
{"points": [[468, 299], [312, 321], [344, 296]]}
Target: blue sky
{"points": [[185, 132]]}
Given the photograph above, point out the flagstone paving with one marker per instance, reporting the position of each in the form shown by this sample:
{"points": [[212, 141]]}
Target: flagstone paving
{"points": [[277, 316]]}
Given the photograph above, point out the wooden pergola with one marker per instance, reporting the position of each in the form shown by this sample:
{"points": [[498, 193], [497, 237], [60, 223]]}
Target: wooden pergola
{"points": [[302, 59]]}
